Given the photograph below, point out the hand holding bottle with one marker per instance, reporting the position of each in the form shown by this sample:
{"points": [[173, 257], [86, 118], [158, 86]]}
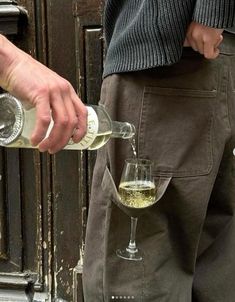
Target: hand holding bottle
{"points": [[17, 122], [51, 95]]}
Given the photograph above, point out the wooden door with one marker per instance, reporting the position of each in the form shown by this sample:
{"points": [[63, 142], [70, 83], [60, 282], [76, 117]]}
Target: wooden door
{"points": [[43, 198]]}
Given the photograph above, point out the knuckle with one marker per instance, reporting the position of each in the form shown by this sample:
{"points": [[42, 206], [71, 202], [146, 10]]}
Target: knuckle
{"points": [[74, 122], [42, 91], [195, 35], [207, 39], [54, 88], [64, 86], [64, 121], [45, 120]]}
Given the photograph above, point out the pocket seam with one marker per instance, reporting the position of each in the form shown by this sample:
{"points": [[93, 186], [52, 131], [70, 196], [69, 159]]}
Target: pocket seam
{"points": [[180, 92], [107, 181]]}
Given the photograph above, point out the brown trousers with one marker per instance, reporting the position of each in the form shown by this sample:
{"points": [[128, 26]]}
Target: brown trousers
{"points": [[185, 120]]}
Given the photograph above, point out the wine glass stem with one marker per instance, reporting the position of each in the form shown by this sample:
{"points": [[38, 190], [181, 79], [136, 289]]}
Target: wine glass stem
{"points": [[132, 245]]}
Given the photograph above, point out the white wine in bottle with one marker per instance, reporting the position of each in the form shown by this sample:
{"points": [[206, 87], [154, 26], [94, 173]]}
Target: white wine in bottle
{"points": [[17, 123]]}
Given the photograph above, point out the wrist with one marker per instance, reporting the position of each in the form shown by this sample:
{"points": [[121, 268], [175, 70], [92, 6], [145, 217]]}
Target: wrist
{"points": [[8, 55]]}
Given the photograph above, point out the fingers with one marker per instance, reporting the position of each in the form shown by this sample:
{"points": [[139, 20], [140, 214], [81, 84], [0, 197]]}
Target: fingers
{"points": [[210, 47], [198, 46], [43, 119], [210, 51], [67, 112], [58, 135], [81, 127], [204, 40]]}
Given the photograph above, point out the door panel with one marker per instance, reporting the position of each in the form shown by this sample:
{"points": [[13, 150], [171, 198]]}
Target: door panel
{"points": [[43, 198]]}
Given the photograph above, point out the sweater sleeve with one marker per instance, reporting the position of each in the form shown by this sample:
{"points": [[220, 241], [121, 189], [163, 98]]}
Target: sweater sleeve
{"points": [[215, 13]]}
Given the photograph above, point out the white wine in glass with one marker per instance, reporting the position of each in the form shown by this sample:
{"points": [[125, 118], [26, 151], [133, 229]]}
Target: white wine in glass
{"points": [[137, 194], [136, 191]]}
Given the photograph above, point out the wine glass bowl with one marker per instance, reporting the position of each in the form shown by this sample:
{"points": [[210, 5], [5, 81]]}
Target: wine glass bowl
{"points": [[137, 191]]}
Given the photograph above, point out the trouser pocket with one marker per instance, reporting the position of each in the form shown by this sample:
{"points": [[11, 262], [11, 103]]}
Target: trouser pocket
{"points": [[176, 130]]}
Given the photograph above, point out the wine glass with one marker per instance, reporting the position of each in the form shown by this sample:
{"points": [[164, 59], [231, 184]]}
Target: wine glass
{"points": [[137, 191]]}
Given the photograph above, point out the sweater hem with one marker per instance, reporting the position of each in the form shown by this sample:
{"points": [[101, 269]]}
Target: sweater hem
{"points": [[113, 69]]}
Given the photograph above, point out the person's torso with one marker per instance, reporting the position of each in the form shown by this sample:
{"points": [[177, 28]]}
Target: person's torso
{"points": [[142, 34]]}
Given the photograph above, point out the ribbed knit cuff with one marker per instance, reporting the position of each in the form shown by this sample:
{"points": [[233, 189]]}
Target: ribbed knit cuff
{"points": [[215, 13]]}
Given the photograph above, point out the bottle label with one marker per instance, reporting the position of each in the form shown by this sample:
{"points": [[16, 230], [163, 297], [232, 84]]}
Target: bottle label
{"points": [[92, 130]]}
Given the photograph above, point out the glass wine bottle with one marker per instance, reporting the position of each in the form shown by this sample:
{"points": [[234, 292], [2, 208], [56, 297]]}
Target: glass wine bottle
{"points": [[17, 123]]}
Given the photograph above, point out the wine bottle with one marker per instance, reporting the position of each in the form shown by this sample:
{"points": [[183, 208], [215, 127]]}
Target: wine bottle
{"points": [[17, 123]]}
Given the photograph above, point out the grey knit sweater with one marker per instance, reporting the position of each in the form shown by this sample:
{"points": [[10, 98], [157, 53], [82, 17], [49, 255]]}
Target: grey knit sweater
{"points": [[141, 34]]}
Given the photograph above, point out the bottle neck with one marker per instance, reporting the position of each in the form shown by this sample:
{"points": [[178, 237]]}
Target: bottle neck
{"points": [[122, 130]]}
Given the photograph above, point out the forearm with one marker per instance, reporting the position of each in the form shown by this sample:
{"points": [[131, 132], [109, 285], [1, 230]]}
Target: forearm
{"points": [[8, 54], [215, 13]]}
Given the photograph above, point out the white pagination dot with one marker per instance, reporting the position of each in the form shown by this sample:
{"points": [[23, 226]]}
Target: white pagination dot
{"points": [[122, 298]]}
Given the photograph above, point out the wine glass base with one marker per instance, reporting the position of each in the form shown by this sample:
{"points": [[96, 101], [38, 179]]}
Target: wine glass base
{"points": [[129, 255]]}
